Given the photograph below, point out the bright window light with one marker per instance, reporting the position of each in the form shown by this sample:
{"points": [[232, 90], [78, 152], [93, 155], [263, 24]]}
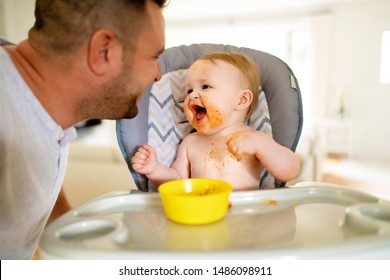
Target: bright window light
{"points": [[385, 58]]}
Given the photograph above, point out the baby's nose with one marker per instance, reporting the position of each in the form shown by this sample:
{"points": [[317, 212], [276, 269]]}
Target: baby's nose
{"points": [[194, 95]]}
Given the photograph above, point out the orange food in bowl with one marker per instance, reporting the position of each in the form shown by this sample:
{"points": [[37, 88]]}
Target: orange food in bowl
{"points": [[195, 201]]}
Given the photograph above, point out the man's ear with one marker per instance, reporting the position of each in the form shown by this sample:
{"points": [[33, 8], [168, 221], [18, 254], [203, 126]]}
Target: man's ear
{"points": [[104, 52], [246, 97]]}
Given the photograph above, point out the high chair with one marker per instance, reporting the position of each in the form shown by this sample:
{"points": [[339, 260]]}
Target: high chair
{"points": [[162, 124], [311, 220]]}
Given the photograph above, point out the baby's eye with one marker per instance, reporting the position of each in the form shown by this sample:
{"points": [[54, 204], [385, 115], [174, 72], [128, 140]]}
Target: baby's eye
{"points": [[189, 91], [205, 86]]}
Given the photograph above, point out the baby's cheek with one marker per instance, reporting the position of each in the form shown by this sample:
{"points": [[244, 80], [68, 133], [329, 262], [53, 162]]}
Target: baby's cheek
{"points": [[187, 112], [216, 118]]}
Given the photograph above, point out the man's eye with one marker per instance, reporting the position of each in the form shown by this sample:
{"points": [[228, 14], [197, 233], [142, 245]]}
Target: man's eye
{"points": [[205, 86], [189, 91]]}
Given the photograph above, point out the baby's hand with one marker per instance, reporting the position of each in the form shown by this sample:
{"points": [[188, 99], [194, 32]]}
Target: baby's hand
{"points": [[242, 143], [145, 160]]}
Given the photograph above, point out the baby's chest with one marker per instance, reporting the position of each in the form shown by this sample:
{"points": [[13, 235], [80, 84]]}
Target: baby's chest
{"points": [[213, 155]]}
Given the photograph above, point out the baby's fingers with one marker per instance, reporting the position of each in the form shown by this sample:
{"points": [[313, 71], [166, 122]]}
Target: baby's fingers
{"points": [[144, 149], [140, 157], [233, 148]]}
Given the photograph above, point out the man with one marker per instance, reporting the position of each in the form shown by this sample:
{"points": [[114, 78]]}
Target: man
{"points": [[87, 59]]}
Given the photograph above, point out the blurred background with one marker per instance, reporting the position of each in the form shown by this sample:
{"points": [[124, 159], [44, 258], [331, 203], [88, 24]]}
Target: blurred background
{"points": [[338, 49]]}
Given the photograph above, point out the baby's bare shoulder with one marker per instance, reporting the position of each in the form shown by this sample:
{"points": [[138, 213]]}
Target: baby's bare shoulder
{"points": [[195, 140], [192, 137]]}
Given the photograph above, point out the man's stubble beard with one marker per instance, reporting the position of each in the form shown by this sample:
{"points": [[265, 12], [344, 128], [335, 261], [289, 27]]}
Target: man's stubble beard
{"points": [[114, 102], [119, 88]]}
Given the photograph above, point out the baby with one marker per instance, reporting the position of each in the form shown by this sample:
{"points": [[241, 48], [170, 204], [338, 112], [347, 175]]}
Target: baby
{"points": [[222, 91]]}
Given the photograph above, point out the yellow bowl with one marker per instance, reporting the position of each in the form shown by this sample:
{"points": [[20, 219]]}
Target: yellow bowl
{"points": [[195, 201]]}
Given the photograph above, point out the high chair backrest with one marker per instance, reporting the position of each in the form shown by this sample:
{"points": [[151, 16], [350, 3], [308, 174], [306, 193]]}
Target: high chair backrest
{"points": [[162, 124]]}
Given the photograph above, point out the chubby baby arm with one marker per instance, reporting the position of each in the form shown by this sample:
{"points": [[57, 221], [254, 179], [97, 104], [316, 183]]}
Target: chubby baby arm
{"points": [[145, 161], [242, 143], [282, 163]]}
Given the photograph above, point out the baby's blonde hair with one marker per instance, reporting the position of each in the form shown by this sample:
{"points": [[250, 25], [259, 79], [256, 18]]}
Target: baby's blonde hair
{"points": [[246, 66]]}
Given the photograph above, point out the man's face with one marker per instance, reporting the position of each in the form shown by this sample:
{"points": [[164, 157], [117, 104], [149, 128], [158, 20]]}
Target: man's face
{"points": [[140, 68]]}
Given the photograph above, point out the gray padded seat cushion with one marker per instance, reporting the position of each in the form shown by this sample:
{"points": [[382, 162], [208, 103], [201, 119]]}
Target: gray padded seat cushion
{"points": [[278, 83]]}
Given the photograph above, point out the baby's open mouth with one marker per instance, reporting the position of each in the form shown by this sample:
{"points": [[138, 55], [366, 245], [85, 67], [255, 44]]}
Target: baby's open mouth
{"points": [[199, 112]]}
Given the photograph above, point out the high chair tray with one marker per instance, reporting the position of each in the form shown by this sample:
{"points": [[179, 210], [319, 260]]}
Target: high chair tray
{"points": [[311, 222]]}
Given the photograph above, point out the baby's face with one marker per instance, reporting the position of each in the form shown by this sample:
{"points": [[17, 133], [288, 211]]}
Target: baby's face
{"points": [[213, 92]]}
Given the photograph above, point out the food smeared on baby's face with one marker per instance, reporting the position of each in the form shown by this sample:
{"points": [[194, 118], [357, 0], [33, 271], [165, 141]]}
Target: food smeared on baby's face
{"points": [[203, 117], [213, 91]]}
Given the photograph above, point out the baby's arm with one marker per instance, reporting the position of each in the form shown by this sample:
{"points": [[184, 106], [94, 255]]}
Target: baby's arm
{"points": [[280, 162], [145, 162]]}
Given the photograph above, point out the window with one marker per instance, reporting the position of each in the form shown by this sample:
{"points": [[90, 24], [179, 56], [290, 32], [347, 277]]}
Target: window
{"points": [[384, 77]]}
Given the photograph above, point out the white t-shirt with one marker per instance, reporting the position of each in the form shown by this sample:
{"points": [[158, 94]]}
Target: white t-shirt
{"points": [[33, 158]]}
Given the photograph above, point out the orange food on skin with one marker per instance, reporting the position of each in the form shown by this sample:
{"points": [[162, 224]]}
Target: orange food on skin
{"points": [[212, 119], [270, 201]]}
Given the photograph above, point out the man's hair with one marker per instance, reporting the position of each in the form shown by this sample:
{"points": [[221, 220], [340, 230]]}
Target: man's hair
{"points": [[63, 25], [248, 68]]}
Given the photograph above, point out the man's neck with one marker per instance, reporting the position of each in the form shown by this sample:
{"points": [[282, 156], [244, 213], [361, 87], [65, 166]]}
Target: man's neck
{"points": [[45, 80]]}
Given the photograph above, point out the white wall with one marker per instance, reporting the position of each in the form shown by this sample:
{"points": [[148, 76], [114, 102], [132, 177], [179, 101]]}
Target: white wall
{"points": [[354, 67], [16, 18], [346, 54]]}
